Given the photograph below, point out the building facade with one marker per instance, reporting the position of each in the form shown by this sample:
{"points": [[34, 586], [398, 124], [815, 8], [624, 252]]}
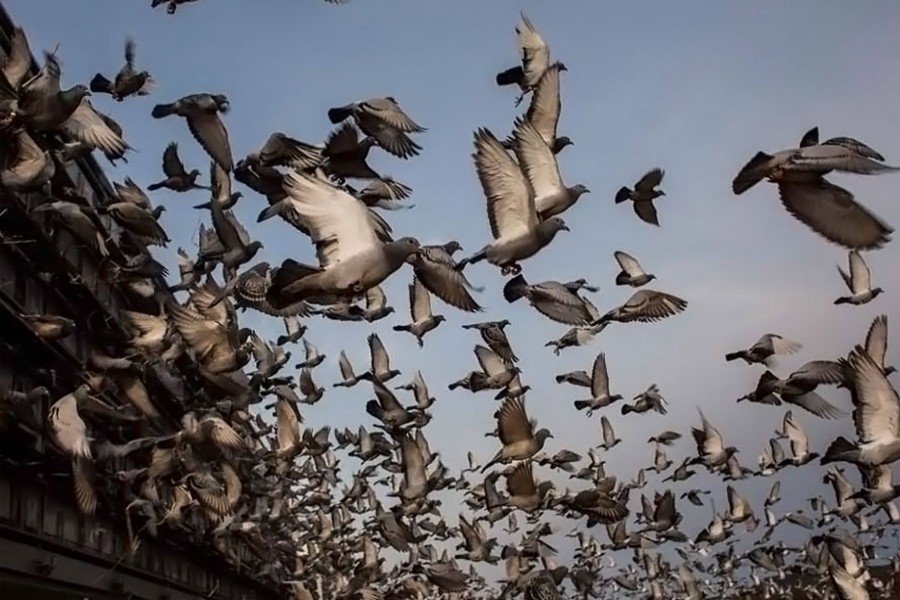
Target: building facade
{"points": [[48, 548]]}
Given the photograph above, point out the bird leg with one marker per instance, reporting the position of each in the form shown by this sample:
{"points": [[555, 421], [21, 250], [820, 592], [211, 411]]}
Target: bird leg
{"points": [[511, 269], [519, 99]]}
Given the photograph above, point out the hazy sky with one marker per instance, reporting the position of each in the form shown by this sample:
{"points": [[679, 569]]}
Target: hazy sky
{"points": [[693, 87]]}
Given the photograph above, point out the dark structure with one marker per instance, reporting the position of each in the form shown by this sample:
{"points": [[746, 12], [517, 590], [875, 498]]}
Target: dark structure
{"points": [[48, 547]]}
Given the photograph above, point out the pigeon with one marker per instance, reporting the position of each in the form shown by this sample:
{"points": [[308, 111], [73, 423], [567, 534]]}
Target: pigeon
{"points": [[435, 268], [537, 161], [493, 334], [31, 170], [859, 282], [423, 320], [171, 5], [811, 138], [829, 210], [534, 57], [517, 231], [127, 82], [632, 273], [643, 194], [41, 105], [645, 306], [876, 415], [544, 110], [50, 327], [517, 434], [552, 299], [383, 120], [201, 111], [352, 259], [876, 343], [767, 346], [600, 395]]}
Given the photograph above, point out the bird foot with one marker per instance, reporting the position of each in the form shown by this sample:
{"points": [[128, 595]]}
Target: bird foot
{"points": [[511, 269]]}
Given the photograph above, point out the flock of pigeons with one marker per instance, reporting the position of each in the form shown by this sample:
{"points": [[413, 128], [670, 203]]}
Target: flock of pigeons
{"points": [[231, 473]]}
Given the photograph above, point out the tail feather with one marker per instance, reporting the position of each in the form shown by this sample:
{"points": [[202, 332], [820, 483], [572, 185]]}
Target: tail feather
{"points": [[340, 113], [101, 85], [840, 449], [156, 186], [475, 258], [510, 76], [515, 288], [733, 356], [269, 212], [751, 174], [374, 409], [623, 195], [163, 110], [402, 327], [623, 278], [582, 404]]}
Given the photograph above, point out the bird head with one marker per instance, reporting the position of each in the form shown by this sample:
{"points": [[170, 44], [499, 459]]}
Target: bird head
{"points": [[222, 102], [564, 141], [452, 246], [81, 90], [542, 435], [580, 189], [503, 323], [877, 291], [438, 318]]}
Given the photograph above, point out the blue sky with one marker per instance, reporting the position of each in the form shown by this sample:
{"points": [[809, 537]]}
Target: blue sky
{"points": [[693, 87]]}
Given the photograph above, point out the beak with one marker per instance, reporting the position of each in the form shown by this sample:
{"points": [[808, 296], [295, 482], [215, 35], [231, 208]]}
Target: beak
{"points": [[587, 190], [662, 193], [566, 228]]}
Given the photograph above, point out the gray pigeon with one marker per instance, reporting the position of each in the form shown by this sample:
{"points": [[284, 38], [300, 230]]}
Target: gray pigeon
{"points": [[536, 159], [127, 82], [435, 268], [824, 207], [645, 306], [352, 258], [383, 120], [544, 110], [859, 282], [632, 273], [643, 194], [423, 320], [31, 168], [201, 111], [552, 299], [534, 58], [517, 231]]}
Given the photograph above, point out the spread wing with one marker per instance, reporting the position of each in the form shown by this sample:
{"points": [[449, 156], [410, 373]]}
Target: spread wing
{"points": [[86, 126], [18, 61], [860, 276], [877, 411], [876, 339], [628, 263], [510, 200], [543, 112], [537, 160], [831, 211], [533, 50], [339, 224]]}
